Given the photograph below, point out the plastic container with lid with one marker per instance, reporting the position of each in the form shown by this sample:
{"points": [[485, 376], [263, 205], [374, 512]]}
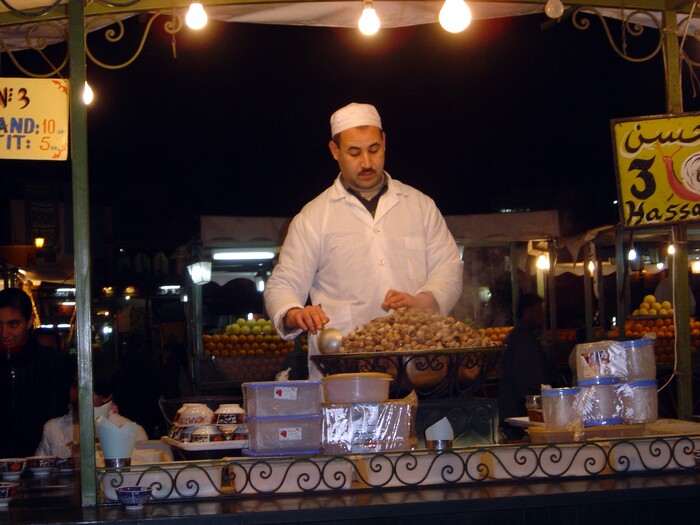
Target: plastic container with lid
{"points": [[600, 402], [640, 400], [558, 408], [641, 361], [284, 435], [282, 398]]}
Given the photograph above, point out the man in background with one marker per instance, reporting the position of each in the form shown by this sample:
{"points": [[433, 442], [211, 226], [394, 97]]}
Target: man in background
{"points": [[524, 366], [35, 380]]}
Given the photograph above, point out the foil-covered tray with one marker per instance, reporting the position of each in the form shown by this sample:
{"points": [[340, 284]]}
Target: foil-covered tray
{"points": [[431, 373]]}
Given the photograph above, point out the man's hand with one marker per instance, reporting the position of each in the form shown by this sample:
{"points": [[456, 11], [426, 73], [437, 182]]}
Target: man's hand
{"points": [[424, 300], [310, 319]]}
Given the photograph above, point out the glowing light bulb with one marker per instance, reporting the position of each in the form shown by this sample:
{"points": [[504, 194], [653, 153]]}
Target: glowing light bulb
{"points": [[455, 16], [671, 249], [88, 95], [554, 8], [543, 262], [660, 265], [591, 267], [695, 267], [196, 17], [369, 21], [632, 255]]}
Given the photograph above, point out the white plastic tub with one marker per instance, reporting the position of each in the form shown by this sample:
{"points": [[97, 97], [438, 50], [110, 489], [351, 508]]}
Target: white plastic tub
{"points": [[361, 387]]}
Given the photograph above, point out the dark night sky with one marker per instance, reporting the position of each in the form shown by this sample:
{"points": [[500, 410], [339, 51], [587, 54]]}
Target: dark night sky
{"points": [[502, 114]]}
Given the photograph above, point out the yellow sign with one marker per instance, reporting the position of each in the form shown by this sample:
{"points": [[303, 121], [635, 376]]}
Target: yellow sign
{"points": [[33, 119], [658, 169]]}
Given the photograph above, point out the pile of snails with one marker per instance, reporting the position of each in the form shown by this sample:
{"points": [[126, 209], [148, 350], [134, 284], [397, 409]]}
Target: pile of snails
{"points": [[413, 329]]}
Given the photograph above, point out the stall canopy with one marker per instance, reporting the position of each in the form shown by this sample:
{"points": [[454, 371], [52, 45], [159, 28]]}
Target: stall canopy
{"points": [[50, 18]]}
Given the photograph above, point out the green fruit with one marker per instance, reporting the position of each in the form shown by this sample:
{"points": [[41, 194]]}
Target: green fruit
{"points": [[240, 321]]}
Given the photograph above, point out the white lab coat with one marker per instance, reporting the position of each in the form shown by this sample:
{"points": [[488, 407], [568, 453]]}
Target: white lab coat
{"points": [[346, 260]]}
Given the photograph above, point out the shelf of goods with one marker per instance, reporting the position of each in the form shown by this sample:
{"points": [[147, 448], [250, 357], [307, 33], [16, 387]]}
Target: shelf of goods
{"points": [[663, 446], [247, 350], [662, 326]]}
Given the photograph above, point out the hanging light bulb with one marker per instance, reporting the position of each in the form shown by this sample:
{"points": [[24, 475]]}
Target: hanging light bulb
{"points": [[542, 262], [632, 255], [554, 8], [591, 267], [369, 21], [88, 95], [196, 17], [671, 249], [660, 265], [455, 16]]}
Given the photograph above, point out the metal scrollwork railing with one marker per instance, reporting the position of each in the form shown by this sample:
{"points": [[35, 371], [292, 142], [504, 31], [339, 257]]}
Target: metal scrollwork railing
{"points": [[245, 476], [631, 26], [30, 13], [37, 36], [116, 31]]}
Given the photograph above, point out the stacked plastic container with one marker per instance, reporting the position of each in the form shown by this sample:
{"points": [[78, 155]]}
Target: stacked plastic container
{"points": [[283, 417], [617, 381]]}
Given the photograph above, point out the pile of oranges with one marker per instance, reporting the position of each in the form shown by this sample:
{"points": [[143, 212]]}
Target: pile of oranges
{"points": [[247, 350], [497, 333]]}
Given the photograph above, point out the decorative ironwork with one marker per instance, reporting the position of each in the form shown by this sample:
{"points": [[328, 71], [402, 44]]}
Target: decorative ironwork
{"points": [[432, 374], [631, 26], [285, 475]]}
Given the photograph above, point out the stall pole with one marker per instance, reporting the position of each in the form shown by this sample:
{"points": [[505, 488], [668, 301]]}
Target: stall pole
{"points": [[514, 278], [587, 292], [681, 309], [620, 262], [674, 106], [81, 248]]}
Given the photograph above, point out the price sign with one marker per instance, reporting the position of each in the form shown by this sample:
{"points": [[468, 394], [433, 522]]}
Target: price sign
{"points": [[658, 169], [33, 119]]}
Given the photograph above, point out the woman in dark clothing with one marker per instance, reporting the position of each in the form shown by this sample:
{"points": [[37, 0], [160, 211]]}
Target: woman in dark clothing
{"points": [[35, 380]]}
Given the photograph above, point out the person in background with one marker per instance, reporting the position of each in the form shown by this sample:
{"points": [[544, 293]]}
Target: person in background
{"points": [[366, 245], [524, 366], [62, 434], [34, 379], [49, 337]]}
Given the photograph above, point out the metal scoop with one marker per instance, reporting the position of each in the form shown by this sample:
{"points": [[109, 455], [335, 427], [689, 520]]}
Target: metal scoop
{"points": [[330, 340]]}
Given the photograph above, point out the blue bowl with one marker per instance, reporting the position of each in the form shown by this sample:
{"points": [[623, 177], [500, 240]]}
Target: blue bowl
{"points": [[134, 497]]}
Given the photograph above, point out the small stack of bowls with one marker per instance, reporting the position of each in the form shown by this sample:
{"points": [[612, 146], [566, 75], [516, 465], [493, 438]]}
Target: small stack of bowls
{"points": [[11, 468], [41, 466], [189, 416], [8, 490]]}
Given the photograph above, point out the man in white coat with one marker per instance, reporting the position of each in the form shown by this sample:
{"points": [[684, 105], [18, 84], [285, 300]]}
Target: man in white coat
{"points": [[366, 245]]}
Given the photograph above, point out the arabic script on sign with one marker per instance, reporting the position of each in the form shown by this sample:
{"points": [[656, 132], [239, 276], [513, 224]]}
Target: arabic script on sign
{"points": [[658, 169]]}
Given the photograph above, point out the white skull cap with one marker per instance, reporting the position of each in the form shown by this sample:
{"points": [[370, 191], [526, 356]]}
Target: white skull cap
{"points": [[354, 115]]}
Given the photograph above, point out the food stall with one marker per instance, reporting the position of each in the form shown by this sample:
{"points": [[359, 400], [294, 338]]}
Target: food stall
{"points": [[562, 497]]}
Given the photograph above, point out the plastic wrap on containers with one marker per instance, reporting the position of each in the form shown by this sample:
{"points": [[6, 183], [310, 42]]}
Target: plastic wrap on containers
{"points": [[640, 401], [641, 360], [558, 408], [599, 402], [601, 359], [369, 427]]}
